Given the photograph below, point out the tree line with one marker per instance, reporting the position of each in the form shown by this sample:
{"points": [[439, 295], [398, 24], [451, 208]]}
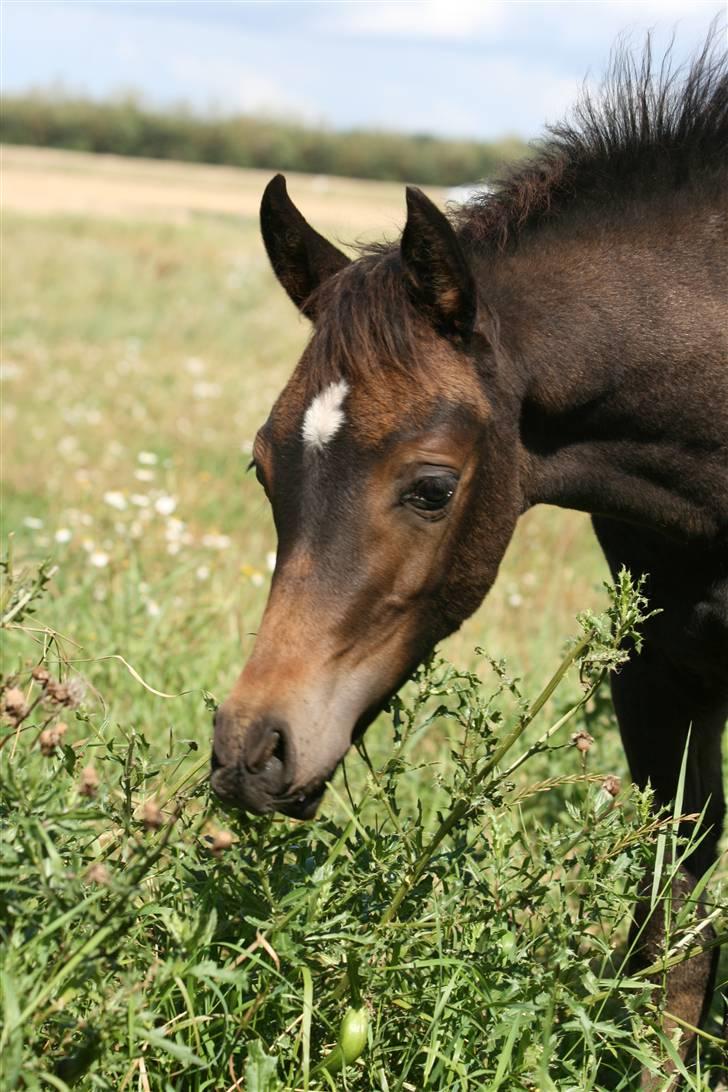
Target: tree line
{"points": [[127, 126]]}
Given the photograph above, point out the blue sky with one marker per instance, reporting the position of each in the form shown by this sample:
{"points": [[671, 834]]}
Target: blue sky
{"points": [[478, 68]]}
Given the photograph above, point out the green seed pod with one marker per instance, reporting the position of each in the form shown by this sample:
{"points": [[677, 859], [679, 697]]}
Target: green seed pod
{"points": [[352, 1040], [508, 944]]}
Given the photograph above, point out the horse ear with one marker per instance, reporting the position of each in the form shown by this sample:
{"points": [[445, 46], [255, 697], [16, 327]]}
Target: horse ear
{"points": [[437, 274], [301, 258]]}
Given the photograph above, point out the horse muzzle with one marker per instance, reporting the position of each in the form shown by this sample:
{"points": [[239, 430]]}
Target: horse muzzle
{"points": [[253, 767]]}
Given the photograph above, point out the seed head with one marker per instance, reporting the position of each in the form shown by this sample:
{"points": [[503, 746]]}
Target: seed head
{"points": [[582, 741], [152, 816], [41, 675], [57, 692], [98, 873], [222, 840], [612, 784], [76, 688], [14, 703], [50, 738], [89, 783]]}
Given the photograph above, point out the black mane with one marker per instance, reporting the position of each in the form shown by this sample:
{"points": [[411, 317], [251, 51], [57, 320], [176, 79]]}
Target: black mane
{"points": [[646, 129]]}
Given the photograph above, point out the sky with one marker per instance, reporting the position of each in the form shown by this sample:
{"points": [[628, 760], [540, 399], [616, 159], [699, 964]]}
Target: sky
{"points": [[473, 68]]}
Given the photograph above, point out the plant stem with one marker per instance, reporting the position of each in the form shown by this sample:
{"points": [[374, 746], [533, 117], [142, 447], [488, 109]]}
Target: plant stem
{"points": [[462, 807]]}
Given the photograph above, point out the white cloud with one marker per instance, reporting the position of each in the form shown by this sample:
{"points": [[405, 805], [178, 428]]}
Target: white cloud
{"points": [[442, 19], [234, 85], [466, 20]]}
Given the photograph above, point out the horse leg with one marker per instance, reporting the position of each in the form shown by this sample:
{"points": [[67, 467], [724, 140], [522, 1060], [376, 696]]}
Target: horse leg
{"points": [[661, 696]]}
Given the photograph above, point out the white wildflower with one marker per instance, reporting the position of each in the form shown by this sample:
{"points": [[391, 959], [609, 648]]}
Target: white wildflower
{"points": [[165, 505], [194, 366], [99, 559], [33, 523], [72, 515], [515, 599], [10, 370], [147, 458], [115, 499], [202, 572], [153, 609], [68, 445], [202, 389], [63, 534], [214, 541], [257, 580], [141, 500], [270, 560], [174, 529], [144, 475]]}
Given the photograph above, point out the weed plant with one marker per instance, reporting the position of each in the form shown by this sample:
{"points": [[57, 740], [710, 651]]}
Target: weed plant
{"points": [[151, 941]]}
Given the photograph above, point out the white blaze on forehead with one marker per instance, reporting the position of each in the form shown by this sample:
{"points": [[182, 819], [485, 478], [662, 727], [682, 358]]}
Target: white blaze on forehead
{"points": [[324, 417]]}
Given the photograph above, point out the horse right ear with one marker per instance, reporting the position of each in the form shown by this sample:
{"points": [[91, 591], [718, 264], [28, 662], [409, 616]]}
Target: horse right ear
{"points": [[437, 275], [301, 258]]}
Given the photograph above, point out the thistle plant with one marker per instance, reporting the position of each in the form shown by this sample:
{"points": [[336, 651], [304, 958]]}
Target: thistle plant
{"points": [[455, 918]]}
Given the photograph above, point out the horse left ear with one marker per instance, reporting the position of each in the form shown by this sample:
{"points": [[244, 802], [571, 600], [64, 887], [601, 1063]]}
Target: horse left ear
{"points": [[438, 277], [301, 258]]}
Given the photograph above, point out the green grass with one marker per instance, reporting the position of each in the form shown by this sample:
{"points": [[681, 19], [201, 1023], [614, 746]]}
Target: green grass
{"points": [[139, 360]]}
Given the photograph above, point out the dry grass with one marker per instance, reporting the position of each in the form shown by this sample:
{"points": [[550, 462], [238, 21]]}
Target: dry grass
{"points": [[44, 181]]}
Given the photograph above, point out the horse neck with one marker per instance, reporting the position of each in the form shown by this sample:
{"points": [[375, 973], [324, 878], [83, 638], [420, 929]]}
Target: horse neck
{"points": [[618, 338]]}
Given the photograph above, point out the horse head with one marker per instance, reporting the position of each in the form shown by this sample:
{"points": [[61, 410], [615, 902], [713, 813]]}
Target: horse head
{"points": [[392, 472]]}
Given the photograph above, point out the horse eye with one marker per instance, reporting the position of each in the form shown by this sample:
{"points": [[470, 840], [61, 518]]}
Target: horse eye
{"points": [[430, 494], [255, 467]]}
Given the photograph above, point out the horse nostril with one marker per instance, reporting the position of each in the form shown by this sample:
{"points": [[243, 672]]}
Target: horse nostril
{"points": [[265, 746]]}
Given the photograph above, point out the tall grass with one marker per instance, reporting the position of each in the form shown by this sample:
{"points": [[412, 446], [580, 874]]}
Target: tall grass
{"points": [[152, 941]]}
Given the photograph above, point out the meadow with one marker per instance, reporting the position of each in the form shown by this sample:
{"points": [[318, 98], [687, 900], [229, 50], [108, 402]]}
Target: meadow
{"points": [[150, 939]]}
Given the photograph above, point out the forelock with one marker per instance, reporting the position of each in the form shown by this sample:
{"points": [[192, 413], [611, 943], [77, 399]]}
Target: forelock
{"points": [[366, 321]]}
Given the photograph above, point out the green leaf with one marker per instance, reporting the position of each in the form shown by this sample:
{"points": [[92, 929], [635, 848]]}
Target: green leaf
{"points": [[260, 1070]]}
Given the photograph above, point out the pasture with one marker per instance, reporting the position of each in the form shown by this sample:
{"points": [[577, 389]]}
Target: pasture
{"points": [[143, 341]]}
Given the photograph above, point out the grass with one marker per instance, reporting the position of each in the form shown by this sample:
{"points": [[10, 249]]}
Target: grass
{"points": [[139, 357]]}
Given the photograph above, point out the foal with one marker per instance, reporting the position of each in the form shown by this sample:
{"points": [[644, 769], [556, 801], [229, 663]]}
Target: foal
{"points": [[563, 341]]}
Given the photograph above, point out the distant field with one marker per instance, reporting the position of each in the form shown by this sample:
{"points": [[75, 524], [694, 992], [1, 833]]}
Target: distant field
{"points": [[43, 181]]}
